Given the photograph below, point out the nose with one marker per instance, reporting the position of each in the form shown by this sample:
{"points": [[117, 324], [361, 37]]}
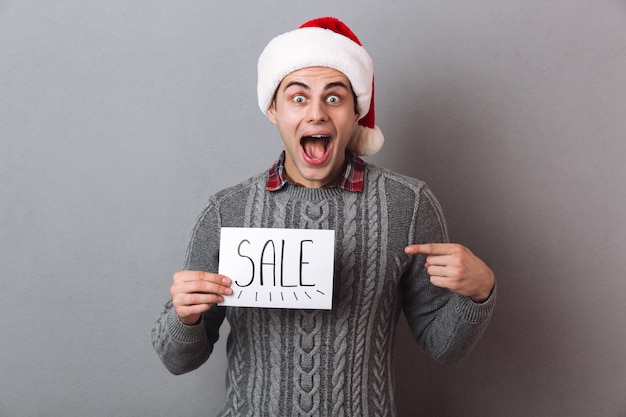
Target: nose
{"points": [[316, 111]]}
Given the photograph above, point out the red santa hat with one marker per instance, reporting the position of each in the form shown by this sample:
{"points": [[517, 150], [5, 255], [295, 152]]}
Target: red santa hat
{"points": [[324, 42]]}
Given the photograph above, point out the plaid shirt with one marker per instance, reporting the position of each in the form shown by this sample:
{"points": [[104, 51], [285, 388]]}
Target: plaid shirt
{"points": [[351, 180]]}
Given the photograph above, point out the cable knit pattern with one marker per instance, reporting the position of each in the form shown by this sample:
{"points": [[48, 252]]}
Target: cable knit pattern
{"points": [[307, 364], [276, 347], [338, 362], [340, 345], [236, 376]]}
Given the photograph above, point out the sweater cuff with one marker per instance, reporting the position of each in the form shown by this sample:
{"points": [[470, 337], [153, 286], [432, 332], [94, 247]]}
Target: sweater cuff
{"points": [[474, 312], [182, 332]]}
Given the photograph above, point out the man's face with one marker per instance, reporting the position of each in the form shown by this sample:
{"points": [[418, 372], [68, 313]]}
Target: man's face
{"points": [[315, 115]]}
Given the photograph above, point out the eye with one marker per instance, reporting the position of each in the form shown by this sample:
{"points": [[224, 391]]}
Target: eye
{"points": [[299, 99], [333, 99]]}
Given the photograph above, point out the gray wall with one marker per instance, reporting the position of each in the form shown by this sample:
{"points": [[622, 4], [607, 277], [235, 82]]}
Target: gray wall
{"points": [[118, 119]]}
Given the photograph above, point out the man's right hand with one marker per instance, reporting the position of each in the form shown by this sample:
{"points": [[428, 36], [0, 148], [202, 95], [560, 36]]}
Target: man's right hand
{"points": [[194, 292]]}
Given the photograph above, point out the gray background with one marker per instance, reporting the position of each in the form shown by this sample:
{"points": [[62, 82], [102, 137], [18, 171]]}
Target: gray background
{"points": [[118, 119]]}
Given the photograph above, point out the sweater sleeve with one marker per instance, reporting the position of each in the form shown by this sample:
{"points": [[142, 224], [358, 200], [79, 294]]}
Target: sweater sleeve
{"points": [[180, 347], [445, 324]]}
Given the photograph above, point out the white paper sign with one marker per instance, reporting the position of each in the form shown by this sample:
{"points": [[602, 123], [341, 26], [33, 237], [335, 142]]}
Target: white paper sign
{"points": [[278, 268]]}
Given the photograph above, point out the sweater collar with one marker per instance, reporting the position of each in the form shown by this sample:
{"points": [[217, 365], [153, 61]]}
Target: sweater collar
{"points": [[351, 180]]}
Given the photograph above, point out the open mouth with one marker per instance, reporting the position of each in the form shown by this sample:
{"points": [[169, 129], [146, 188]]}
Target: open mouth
{"points": [[315, 146]]}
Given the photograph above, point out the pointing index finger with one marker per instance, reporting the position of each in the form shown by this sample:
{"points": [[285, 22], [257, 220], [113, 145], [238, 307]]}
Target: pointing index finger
{"points": [[429, 249]]}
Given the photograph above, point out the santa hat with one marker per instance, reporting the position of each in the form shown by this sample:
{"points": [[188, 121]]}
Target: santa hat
{"points": [[324, 42]]}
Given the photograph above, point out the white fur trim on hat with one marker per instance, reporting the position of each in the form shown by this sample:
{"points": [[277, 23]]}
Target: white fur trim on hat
{"points": [[314, 47]]}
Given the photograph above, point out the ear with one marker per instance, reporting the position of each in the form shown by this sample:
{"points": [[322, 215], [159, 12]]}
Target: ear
{"points": [[271, 112]]}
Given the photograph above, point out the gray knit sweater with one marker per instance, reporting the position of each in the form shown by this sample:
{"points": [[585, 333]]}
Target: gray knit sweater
{"points": [[289, 362]]}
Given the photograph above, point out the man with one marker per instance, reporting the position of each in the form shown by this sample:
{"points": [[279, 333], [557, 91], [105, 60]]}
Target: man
{"points": [[316, 85]]}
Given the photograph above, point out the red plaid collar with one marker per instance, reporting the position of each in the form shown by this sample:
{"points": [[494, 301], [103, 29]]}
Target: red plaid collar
{"points": [[352, 179]]}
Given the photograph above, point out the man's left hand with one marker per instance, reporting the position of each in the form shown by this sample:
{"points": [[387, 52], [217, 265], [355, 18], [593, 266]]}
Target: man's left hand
{"points": [[456, 268]]}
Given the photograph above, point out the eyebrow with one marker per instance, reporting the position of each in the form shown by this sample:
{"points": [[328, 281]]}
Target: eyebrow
{"points": [[306, 87]]}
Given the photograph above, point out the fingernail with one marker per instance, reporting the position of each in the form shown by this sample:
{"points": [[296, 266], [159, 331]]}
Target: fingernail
{"points": [[226, 280]]}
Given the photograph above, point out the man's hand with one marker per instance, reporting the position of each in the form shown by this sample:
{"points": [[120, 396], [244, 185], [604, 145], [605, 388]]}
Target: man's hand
{"points": [[194, 292], [456, 268]]}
